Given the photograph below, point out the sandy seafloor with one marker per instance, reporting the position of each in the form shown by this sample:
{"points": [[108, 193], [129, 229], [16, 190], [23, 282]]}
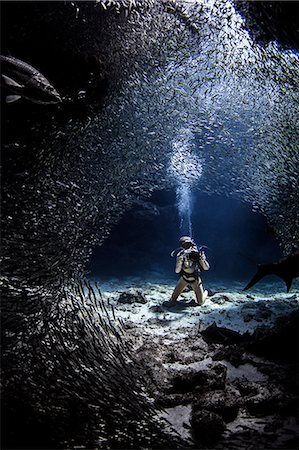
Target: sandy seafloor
{"points": [[169, 342], [228, 307]]}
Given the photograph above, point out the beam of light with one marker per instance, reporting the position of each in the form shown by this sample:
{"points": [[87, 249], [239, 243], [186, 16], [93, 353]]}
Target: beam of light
{"points": [[186, 169], [185, 204]]}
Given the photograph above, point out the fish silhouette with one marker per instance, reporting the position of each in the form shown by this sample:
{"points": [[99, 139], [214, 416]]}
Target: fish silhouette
{"points": [[222, 335], [286, 268], [19, 79]]}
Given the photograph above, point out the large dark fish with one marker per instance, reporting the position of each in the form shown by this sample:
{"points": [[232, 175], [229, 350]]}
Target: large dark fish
{"points": [[19, 79], [222, 335], [286, 268]]}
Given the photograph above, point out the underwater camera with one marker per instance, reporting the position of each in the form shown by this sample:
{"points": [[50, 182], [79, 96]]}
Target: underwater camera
{"points": [[192, 254]]}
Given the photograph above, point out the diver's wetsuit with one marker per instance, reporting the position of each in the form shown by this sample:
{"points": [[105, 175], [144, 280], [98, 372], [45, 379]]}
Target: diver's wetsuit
{"points": [[189, 271]]}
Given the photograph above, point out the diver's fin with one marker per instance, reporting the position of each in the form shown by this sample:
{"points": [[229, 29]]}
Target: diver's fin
{"points": [[10, 82], [12, 98]]}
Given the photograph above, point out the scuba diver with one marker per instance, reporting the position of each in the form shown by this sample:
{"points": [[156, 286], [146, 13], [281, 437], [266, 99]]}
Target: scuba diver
{"points": [[190, 260]]}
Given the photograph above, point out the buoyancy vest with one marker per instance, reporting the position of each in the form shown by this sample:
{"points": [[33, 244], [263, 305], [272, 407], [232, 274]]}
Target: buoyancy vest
{"points": [[190, 277]]}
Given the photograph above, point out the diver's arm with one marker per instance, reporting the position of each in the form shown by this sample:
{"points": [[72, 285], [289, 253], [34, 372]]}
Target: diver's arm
{"points": [[179, 263], [203, 261]]}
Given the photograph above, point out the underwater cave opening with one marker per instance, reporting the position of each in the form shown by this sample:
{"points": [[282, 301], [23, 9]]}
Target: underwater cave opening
{"points": [[139, 246]]}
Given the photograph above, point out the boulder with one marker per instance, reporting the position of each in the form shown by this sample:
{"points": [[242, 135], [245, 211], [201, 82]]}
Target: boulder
{"points": [[279, 342], [166, 400], [224, 403], [132, 296], [262, 399], [213, 377], [220, 299], [207, 426], [270, 399], [234, 354]]}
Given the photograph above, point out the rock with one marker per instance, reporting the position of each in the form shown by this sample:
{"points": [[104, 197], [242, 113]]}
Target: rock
{"points": [[259, 312], [286, 375], [233, 354], [224, 403], [219, 299], [261, 399], [156, 308], [269, 400], [213, 377], [273, 426], [171, 357], [247, 388], [248, 317], [164, 400], [206, 426], [132, 296], [129, 325], [279, 342]]}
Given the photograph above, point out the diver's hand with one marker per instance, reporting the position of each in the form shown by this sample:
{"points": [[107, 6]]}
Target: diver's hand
{"points": [[179, 263], [202, 256], [203, 261]]}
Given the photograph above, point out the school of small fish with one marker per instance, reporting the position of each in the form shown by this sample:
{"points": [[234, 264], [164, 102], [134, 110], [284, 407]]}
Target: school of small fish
{"points": [[192, 65], [190, 95]]}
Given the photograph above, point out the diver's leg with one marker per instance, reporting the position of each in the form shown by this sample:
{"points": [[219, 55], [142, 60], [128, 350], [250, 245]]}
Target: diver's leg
{"points": [[201, 295], [181, 284]]}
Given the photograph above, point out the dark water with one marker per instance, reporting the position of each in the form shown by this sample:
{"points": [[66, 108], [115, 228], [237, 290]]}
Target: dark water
{"points": [[140, 245], [155, 107]]}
